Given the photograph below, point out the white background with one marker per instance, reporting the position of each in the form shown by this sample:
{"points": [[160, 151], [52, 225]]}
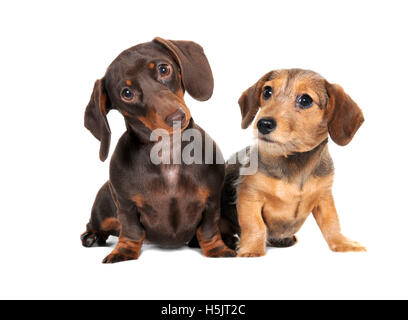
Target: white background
{"points": [[51, 54]]}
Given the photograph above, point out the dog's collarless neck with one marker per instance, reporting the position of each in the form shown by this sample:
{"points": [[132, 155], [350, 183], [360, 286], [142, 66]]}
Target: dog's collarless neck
{"points": [[293, 166]]}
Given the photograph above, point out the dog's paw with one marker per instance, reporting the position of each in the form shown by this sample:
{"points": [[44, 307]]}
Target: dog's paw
{"points": [[117, 257], [91, 238], [346, 245], [125, 250], [242, 253], [221, 252]]}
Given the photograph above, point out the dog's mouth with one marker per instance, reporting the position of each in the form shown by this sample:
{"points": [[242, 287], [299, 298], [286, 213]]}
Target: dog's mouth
{"points": [[267, 140], [273, 147]]}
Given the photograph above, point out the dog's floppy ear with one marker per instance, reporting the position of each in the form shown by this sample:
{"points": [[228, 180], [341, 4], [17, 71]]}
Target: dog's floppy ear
{"points": [[249, 103], [95, 117], [345, 116], [195, 69]]}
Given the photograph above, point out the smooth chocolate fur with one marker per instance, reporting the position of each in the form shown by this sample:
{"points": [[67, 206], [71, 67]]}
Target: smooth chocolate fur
{"points": [[165, 204]]}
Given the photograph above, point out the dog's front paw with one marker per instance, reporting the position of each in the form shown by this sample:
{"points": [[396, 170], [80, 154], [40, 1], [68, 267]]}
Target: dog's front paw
{"points": [[220, 252], [342, 244], [214, 247], [115, 257], [125, 250], [244, 253]]}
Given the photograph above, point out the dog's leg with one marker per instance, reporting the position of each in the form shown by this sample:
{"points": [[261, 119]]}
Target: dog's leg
{"points": [[103, 221], [131, 236], [229, 233], [194, 243], [208, 233], [253, 229], [326, 217], [228, 224], [126, 249]]}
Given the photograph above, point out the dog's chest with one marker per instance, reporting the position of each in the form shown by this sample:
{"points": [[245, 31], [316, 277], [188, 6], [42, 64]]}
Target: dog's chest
{"points": [[289, 200], [286, 205], [171, 205], [171, 184], [170, 174]]}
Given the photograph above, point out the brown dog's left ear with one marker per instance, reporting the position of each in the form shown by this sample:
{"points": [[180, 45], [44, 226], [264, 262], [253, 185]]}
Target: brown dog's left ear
{"points": [[345, 116], [95, 118], [195, 69]]}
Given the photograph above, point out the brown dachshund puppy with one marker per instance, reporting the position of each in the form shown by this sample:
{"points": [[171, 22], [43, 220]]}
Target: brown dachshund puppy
{"points": [[166, 204], [298, 110]]}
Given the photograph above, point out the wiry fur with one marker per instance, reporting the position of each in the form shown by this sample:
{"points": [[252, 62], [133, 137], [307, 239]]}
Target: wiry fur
{"points": [[295, 170]]}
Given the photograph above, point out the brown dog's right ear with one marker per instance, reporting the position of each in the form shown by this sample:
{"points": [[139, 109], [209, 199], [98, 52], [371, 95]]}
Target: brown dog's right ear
{"points": [[249, 101], [249, 104], [95, 118]]}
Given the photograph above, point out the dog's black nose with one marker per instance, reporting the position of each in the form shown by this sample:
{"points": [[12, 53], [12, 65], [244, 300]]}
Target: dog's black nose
{"points": [[178, 116], [266, 125]]}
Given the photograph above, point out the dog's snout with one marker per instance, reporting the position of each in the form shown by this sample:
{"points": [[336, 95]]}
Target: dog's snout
{"points": [[178, 116], [266, 125]]}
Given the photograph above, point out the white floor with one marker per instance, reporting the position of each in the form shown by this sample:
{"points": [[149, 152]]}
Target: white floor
{"points": [[57, 268]]}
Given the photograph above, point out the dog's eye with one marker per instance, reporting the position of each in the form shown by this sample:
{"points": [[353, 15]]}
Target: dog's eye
{"points": [[267, 92], [164, 69], [304, 101], [127, 94]]}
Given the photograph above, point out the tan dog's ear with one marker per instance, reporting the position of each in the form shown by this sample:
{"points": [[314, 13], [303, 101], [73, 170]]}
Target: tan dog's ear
{"points": [[95, 118], [345, 116], [249, 104], [196, 72]]}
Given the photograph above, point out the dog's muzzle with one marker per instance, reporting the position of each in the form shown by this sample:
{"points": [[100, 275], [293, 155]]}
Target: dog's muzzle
{"points": [[177, 117]]}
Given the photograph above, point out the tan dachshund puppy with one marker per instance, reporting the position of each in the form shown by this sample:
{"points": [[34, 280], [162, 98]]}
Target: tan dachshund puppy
{"points": [[297, 111]]}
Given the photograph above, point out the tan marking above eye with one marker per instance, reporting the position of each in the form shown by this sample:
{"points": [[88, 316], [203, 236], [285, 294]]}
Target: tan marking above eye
{"points": [[128, 82], [151, 65]]}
